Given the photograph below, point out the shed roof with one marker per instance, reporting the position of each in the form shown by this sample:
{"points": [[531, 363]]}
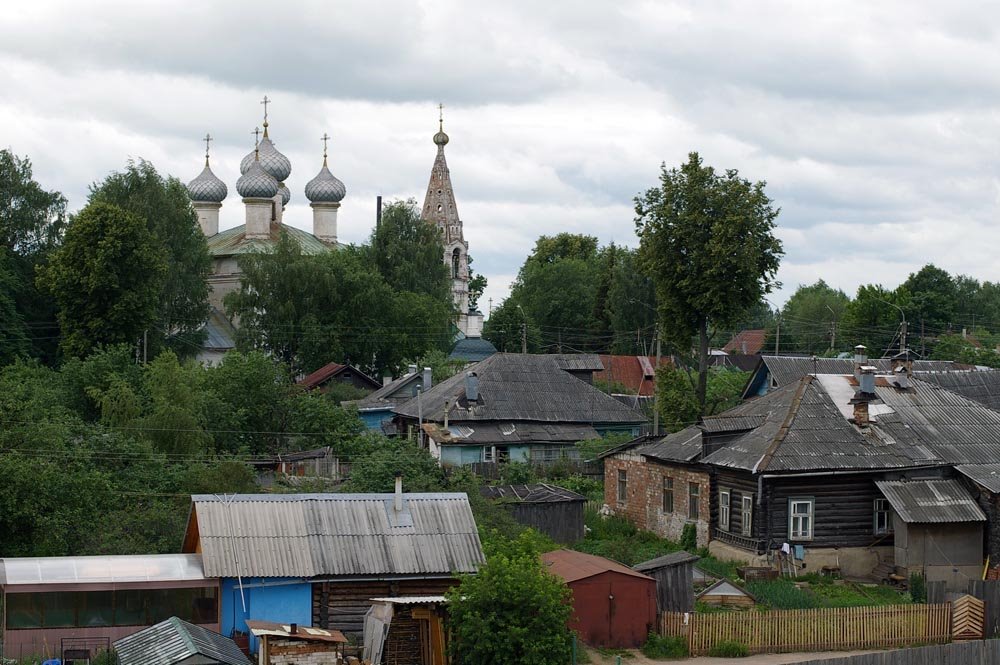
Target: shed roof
{"points": [[747, 342], [682, 446], [571, 565], [537, 493], [666, 561], [309, 535], [304, 633], [985, 475], [514, 386], [173, 641], [921, 501], [101, 569], [397, 391]]}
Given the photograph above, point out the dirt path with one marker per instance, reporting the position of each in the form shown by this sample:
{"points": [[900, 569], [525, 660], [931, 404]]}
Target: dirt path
{"points": [[760, 659]]}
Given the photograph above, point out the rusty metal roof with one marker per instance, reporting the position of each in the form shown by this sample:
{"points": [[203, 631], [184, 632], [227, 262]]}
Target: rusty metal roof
{"points": [[922, 501], [571, 566], [310, 535]]}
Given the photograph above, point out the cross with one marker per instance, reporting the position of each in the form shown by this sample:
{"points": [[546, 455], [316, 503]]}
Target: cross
{"points": [[440, 113], [265, 102], [324, 138], [256, 135], [207, 139]]}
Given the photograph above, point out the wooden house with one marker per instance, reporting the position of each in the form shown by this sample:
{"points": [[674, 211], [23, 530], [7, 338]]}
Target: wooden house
{"points": [[554, 511], [330, 373], [376, 409]]}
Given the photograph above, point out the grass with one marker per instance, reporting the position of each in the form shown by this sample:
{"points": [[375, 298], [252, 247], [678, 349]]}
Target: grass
{"points": [[729, 649], [660, 647], [783, 594]]}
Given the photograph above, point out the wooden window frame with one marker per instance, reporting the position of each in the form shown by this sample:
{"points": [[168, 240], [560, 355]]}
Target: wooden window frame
{"points": [[622, 487], [725, 502], [801, 534], [694, 499], [668, 494], [746, 514], [882, 507]]}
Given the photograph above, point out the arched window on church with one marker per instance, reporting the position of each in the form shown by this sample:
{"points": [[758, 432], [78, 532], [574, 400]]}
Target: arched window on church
{"points": [[456, 258]]}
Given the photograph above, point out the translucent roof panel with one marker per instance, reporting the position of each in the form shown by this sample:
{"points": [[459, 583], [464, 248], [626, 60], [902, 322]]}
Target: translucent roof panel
{"points": [[101, 569]]}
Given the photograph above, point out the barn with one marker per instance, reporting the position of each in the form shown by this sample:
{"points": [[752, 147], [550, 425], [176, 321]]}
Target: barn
{"points": [[554, 511], [613, 605]]}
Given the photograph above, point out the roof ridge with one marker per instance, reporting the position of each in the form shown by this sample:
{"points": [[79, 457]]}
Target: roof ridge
{"points": [[793, 409]]}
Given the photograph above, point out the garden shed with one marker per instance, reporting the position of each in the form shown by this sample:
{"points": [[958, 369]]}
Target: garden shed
{"points": [[554, 511], [176, 642], [726, 594], [674, 575], [613, 605]]}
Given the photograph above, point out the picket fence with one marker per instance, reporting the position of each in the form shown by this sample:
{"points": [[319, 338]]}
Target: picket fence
{"points": [[828, 629]]}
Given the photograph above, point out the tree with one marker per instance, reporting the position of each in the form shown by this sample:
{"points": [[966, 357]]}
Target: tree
{"points": [[933, 296], [375, 469], [477, 284], [511, 612], [630, 307], [507, 324], [407, 252], [707, 242], [872, 319], [107, 279], [163, 204], [679, 401], [810, 317], [32, 221]]}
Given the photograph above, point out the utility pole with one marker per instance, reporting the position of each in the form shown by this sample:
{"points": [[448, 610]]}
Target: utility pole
{"points": [[902, 336], [656, 388], [833, 329], [524, 337], [777, 336]]}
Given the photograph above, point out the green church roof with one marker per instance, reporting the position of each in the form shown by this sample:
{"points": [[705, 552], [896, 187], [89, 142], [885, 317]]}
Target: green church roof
{"points": [[234, 241]]}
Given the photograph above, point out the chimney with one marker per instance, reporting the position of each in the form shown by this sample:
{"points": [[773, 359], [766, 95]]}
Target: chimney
{"points": [[902, 363], [861, 413], [447, 404], [386, 380], [860, 360], [902, 378], [864, 395], [428, 378], [472, 387], [293, 629], [866, 384], [411, 369], [398, 499], [325, 220]]}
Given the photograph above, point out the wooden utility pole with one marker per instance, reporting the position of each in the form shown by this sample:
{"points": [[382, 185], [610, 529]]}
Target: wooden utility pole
{"points": [[656, 388], [524, 337], [777, 336]]}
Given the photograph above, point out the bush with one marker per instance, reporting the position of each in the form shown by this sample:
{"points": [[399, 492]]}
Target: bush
{"points": [[918, 590], [729, 649], [689, 538], [517, 473], [665, 647], [589, 487]]}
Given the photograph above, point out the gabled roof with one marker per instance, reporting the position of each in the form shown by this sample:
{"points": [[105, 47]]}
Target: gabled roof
{"points": [[571, 565], [522, 387], [637, 373], [308, 535], [174, 641], [390, 395], [682, 446], [537, 493], [724, 587], [508, 433], [981, 386], [747, 342], [472, 349], [923, 501], [330, 371], [785, 370], [234, 241], [666, 561]]}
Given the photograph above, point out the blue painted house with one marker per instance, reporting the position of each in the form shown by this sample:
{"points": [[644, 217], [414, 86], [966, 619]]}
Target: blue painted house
{"points": [[517, 408], [376, 410], [319, 559]]}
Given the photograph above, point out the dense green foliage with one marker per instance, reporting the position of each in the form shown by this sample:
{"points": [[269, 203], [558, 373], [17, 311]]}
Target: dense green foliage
{"points": [[918, 588], [813, 591], [707, 242], [665, 647], [729, 649], [810, 317], [679, 402]]}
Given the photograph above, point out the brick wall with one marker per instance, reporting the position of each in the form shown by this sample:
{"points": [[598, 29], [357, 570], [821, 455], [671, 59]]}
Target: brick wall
{"points": [[643, 502], [297, 652]]}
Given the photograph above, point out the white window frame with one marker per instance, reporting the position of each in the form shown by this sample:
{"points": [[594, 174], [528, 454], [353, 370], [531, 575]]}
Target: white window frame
{"points": [[725, 496], [668, 490], [882, 507], [622, 486], [746, 514], [796, 529], [489, 453]]}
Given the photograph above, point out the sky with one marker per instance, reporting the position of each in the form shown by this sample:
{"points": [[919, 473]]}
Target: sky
{"points": [[875, 125]]}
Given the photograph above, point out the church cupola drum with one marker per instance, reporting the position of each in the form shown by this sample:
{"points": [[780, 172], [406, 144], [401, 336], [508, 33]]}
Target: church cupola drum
{"points": [[325, 192], [207, 193]]}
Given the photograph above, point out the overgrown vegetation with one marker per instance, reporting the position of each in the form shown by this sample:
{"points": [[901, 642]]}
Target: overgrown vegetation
{"points": [[918, 588], [729, 649], [815, 591], [665, 647]]}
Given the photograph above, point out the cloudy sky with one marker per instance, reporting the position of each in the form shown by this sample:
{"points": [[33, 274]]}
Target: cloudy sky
{"points": [[875, 125]]}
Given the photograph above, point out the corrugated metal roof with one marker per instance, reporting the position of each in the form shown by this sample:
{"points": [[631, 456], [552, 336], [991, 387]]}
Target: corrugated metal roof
{"points": [[572, 566], [682, 446], [508, 433], [234, 241], [411, 600], [101, 569], [330, 370], [633, 372], [397, 391], [537, 493], [747, 342], [982, 386], [578, 362], [732, 423], [922, 501], [985, 475], [309, 535], [785, 370], [518, 387], [173, 641], [667, 560]]}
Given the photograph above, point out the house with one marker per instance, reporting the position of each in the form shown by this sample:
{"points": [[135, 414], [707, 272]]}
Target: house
{"points": [[286, 644], [293, 468], [177, 642], [635, 373], [810, 465], [979, 385], [346, 374], [516, 407], [660, 485], [85, 603], [554, 511], [376, 410], [746, 342], [674, 575], [318, 559], [613, 605]]}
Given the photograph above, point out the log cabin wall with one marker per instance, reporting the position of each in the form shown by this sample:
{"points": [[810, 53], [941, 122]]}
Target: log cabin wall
{"points": [[739, 484], [342, 605]]}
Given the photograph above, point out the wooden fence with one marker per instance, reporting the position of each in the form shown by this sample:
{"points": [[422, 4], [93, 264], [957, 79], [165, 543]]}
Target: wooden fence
{"points": [[964, 653], [828, 629]]}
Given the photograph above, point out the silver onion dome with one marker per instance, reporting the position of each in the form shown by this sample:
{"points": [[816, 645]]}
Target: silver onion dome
{"points": [[286, 195], [207, 187], [272, 161], [325, 187], [256, 183]]}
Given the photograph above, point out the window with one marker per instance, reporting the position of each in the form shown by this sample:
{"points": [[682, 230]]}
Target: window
{"points": [[622, 486], [724, 509], [489, 454], [883, 517], [800, 519], [668, 494], [746, 523], [87, 609], [694, 493], [456, 259]]}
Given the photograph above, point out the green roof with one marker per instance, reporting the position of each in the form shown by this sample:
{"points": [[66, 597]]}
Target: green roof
{"points": [[234, 241]]}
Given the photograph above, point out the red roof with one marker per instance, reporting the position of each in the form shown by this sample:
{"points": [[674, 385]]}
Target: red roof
{"points": [[572, 566], [327, 372], [633, 372], [749, 342]]}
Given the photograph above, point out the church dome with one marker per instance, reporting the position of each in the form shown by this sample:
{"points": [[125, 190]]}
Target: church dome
{"points": [[256, 183], [325, 187], [440, 138], [286, 195], [207, 187], [272, 161]]}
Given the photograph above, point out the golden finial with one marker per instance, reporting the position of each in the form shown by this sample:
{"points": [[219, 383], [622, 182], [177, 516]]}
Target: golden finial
{"points": [[324, 138], [208, 138]]}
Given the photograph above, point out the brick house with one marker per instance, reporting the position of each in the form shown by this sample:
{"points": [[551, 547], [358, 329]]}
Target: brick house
{"points": [[657, 483]]}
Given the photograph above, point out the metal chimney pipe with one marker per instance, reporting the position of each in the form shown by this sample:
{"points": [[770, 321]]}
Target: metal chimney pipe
{"points": [[428, 378], [398, 499]]}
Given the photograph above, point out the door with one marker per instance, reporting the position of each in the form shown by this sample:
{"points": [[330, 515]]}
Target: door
{"points": [[629, 610], [592, 611]]}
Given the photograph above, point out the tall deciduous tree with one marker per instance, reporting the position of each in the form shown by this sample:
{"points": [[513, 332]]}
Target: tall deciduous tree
{"points": [[707, 242], [408, 253], [810, 317], [163, 203], [107, 279]]}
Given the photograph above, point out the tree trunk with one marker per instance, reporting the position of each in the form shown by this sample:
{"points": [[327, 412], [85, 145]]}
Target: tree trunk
{"points": [[700, 393]]}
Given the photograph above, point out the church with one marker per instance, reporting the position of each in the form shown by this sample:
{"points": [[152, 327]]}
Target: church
{"points": [[261, 185]]}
